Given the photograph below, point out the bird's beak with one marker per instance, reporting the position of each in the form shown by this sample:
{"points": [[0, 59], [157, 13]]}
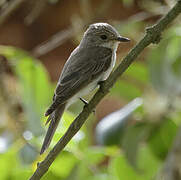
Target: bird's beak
{"points": [[122, 39]]}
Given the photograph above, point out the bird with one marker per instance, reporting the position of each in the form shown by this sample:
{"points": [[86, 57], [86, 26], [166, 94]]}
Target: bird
{"points": [[90, 63]]}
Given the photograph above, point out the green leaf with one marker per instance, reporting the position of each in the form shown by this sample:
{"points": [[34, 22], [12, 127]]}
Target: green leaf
{"points": [[162, 138], [102, 176], [173, 47], [176, 66], [28, 154], [83, 172], [21, 173], [133, 138], [148, 165], [127, 3], [8, 162], [64, 164], [36, 90], [164, 65], [126, 90], [51, 176], [120, 169], [94, 155], [10, 166], [139, 72]]}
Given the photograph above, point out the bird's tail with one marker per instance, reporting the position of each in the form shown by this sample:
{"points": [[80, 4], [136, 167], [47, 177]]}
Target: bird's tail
{"points": [[54, 119]]}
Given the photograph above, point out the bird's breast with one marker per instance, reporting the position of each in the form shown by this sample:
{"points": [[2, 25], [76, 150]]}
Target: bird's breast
{"points": [[109, 70], [91, 86]]}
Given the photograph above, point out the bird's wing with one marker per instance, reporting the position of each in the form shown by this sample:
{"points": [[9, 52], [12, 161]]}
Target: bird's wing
{"points": [[81, 69]]}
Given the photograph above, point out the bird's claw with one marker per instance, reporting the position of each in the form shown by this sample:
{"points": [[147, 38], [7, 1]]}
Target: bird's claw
{"points": [[100, 83], [86, 103]]}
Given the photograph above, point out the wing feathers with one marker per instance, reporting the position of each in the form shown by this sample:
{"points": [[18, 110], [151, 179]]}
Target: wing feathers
{"points": [[81, 69]]}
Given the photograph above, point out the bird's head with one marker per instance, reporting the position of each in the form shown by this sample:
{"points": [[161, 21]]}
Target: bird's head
{"points": [[102, 34]]}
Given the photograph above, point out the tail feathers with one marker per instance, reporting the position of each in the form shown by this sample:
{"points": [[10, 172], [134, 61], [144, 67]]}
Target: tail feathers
{"points": [[49, 119], [54, 119], [52, 108]]}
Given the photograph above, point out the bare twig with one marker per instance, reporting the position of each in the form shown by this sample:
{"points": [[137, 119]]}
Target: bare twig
{"points": [[60, 37], [53, 42], [10, 8], [152, 36], [36, 11]]}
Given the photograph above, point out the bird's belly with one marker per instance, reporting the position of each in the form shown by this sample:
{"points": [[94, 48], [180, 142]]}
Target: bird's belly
{"points": [[90, 87], [109, 70]]}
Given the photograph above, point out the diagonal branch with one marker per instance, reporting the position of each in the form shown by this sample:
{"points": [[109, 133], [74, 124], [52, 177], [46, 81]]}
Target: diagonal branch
{"points": [[152, 35], [52, 43]]}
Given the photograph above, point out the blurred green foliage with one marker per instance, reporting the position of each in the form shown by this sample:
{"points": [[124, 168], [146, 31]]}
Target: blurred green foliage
{"points": [[144, 143]]}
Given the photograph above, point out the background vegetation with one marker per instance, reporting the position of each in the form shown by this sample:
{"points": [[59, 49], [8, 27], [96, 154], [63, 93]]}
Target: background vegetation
{"points": [[133, 143]]}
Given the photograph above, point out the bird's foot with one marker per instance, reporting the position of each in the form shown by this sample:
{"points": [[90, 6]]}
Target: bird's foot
{"points": [[86, 103], [100, 83]]}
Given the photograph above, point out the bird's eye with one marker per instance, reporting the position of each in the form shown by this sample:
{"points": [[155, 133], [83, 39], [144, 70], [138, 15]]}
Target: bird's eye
{"points": [[103, 37]]}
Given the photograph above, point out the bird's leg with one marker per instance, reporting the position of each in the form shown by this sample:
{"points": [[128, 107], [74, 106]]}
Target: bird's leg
{"points": [[86, 102], [100, 83]]}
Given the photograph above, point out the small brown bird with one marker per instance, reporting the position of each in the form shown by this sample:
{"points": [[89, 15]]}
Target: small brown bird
{"points": [[91, 62]]}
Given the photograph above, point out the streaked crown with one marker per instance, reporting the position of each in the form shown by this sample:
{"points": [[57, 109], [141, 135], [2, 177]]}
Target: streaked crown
{"points": [[101, 34]]}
